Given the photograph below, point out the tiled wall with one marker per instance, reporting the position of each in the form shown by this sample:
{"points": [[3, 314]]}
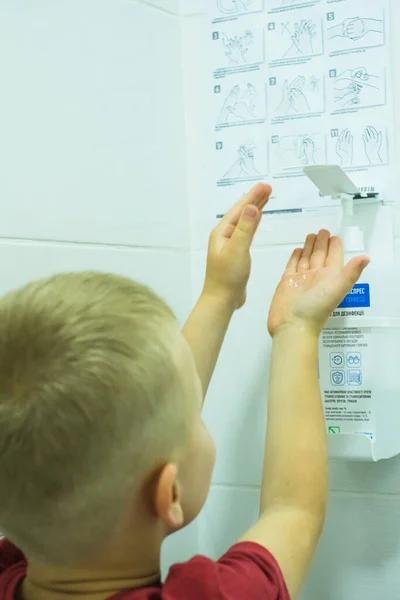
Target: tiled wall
{"points": [[92, 148], [359, 554]]}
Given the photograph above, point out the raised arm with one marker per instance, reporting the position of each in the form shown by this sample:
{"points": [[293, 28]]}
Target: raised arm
{"points": [[227, 274], [294, 484]]}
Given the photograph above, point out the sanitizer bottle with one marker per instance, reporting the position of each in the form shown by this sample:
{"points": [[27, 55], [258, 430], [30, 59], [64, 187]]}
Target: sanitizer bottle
{"points": [[360, 346]]}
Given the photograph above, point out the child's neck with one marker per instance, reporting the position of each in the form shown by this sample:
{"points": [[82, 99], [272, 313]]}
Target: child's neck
{"points": [[90, 587], [132, 564]]}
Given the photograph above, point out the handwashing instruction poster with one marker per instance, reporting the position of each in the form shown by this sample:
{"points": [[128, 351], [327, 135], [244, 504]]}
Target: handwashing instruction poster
{"points": [[295, 84]]}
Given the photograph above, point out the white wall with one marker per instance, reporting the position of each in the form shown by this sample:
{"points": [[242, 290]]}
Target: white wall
{"points": [[359, 554], [92, 148], [92, 136]]}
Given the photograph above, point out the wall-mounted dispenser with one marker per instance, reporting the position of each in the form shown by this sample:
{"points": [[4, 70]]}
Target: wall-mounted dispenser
{"points": [[359, 365]]}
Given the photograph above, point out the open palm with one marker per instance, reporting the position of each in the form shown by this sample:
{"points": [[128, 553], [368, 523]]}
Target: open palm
{"points": [[313, 284]]}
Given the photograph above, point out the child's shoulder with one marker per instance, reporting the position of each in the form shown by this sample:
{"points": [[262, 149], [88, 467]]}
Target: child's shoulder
{"points": [[12, 569], [9, 555], [247, 570]]}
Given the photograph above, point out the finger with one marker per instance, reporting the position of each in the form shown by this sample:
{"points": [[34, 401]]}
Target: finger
{"points": [[302, 82], [321, 248], [291, 267], [335, 258], [304, 262], [371, 131], [228, 231], [296, 82], [246, 228], [258, 195], [352, 272], [359, 72]]}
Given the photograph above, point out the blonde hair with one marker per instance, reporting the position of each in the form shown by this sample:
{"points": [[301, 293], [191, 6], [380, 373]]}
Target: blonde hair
{"points": [[88, 402]]}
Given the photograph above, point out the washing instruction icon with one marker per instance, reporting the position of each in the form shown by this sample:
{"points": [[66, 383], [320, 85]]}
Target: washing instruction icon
{"points": [[337, 378], [337, 360], [354, 377], [353, 359]]}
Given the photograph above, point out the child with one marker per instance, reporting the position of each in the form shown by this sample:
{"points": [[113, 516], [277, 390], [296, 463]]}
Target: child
{"points": [[103, 452]]}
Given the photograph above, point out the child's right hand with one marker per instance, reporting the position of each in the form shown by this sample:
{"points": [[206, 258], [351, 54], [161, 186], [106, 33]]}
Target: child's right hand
{"points": [[313, 285]]}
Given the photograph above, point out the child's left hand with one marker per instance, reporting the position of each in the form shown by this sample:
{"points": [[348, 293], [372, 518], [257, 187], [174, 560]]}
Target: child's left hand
{"points": [[229, 260]]}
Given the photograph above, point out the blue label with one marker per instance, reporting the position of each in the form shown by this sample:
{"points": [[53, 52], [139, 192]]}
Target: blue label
{"points": [[359, 297]]}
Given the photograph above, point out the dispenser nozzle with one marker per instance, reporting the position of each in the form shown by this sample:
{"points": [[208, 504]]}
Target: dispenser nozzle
{"points": [[347, 204]]}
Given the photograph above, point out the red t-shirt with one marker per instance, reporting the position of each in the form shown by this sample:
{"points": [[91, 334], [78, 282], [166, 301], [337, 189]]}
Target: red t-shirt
{"points": [[245, 572]]}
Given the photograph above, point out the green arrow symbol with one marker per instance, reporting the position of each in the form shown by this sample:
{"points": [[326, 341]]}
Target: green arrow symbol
{"points": [[334, 430]]}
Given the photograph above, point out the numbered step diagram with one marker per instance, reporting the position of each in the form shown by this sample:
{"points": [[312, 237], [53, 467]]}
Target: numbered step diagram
{"points": [[356, 85], [294, 38], [229, 9], [241, 156], [296, 93], [239, 100], [237, 47], [359, 143], [354, 26], [290, 152]]}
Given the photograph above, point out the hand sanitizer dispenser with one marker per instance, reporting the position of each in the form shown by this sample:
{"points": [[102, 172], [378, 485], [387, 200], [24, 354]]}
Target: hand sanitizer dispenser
{"points": [[360, 346]]}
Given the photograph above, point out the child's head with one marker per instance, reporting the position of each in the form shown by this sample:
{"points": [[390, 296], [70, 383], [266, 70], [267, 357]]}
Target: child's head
{"points": [[99, 414]]}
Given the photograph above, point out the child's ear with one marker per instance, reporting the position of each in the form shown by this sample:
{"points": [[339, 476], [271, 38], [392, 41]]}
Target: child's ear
{"points": [[168, 503]]}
